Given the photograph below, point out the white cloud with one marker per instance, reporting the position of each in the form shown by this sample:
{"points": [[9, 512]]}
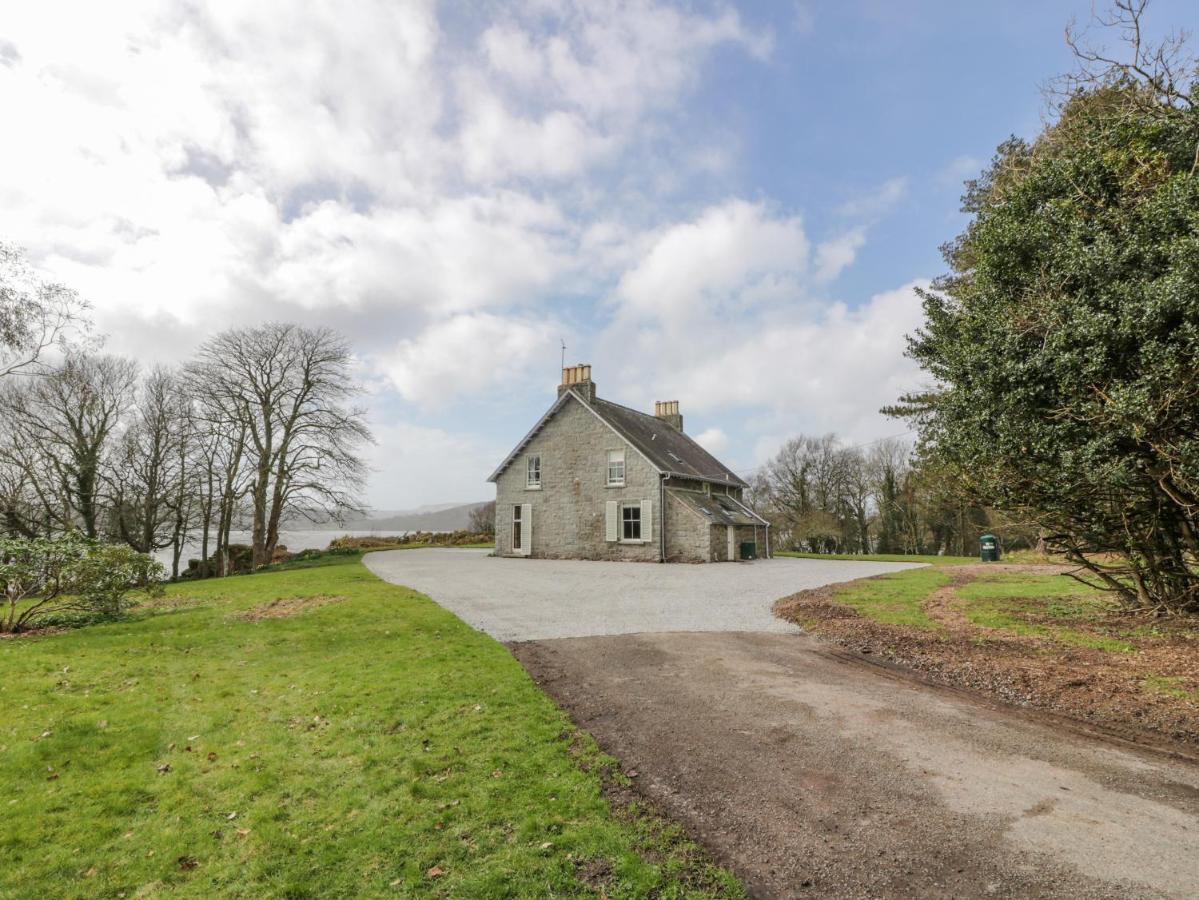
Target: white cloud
{"points": [[497, 143], [730, 313], [732, 258], [458, 254], [835, 255], [453, 207], [591, 74], [876, 202], [714, 440], [846, 362], [958, 169], [805, 366], [190, 167], [467, 354], [613, 58], [416, 465]]}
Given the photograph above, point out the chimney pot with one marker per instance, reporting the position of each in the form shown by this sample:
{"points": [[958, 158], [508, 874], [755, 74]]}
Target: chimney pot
{"points": [[668, 412], [578, 377]]}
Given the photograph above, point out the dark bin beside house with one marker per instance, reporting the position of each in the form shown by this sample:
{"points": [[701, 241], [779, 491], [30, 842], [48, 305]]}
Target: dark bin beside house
{"points": [[988, 548], [749, 550]]}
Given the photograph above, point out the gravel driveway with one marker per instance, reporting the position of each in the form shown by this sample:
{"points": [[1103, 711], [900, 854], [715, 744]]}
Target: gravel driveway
{"points": [[811, 771], [533, 599], [814, 773]]}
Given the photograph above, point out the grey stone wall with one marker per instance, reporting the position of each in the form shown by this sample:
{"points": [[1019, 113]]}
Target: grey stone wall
{"points": [[687, 538], [719, 543], [568, 510]]}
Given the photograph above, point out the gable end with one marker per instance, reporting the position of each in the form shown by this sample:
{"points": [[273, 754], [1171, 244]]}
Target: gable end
{"points": [[549, 414]]}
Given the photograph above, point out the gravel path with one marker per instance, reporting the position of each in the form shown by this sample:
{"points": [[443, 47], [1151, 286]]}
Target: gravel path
{"points": [[531, 599]]}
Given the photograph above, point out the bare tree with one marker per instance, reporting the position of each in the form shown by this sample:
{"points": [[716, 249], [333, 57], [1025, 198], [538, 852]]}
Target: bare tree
{"points": [[61, 430], [18, 500], [809, 485], [35, 315], [858, 497], [1165, 69], [290, 387], [482, 518], [218, 457], [888, 466], [152, 482]]}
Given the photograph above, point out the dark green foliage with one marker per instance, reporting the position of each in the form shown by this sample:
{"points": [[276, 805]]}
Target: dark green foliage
{"points": [[1065, 340]]}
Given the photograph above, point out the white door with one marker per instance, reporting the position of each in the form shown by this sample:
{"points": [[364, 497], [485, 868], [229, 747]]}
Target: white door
{"points": [[522, 529], [732, 543]]}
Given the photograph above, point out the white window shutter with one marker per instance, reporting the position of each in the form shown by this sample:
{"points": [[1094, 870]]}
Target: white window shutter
{"points": [[611, 523], [526, 528], [647, 521]]}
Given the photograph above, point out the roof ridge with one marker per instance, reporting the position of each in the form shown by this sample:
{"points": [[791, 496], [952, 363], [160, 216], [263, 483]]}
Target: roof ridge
{"points": [[669, 432], [633, 426], [628, 408]]}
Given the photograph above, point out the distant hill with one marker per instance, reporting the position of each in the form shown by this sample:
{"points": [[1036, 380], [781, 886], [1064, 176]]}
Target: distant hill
{"points": [[433, 517], [451, 518]]}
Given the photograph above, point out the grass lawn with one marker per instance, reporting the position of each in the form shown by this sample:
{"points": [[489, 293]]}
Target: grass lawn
{"points": [[1022, 603], [1025, 632], [310, 731], [884, 557], [1005, 601], [894, 599]]}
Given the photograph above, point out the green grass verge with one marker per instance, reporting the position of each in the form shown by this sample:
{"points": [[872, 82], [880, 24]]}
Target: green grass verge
{"points": [[1016, 602], [884, 557], [1171, 686], [489, 545], [349, 750], [1004, 601], [895, 599]]}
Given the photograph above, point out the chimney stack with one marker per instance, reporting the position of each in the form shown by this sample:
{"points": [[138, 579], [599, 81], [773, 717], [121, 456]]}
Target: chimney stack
{"points": [[578, 378], [668, 412]]}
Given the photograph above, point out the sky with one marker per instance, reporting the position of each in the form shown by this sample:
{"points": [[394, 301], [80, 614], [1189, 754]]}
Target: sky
{"points": [[729, 205]]}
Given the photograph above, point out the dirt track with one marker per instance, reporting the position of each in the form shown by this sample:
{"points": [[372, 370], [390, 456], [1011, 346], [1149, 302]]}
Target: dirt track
{"points": [[811, 774]]}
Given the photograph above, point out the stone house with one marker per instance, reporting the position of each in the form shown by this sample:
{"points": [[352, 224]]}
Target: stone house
{"points": [[597, 480]]}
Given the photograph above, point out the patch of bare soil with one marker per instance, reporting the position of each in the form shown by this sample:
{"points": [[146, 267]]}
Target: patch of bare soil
{"points": [[42, 631], [284, 607], [1144, 694], [172, 603]]}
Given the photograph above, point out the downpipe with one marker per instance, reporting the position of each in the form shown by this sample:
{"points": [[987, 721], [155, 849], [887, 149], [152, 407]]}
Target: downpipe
{"points": [[662, 517]]}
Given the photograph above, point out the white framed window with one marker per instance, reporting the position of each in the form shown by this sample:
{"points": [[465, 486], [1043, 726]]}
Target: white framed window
{"points": [[630, 522], [517, 530], [615, 468], [533, 477]]}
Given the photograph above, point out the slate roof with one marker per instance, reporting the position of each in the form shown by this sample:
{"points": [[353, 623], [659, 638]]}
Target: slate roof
{"points": [[665, 447], [718, 509], [668, 450]]}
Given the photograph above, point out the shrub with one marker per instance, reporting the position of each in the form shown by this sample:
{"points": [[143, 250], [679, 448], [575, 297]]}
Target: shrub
{"points": [[43, 578], [413, 539]]}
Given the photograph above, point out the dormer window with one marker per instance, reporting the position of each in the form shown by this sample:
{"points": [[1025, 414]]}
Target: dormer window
{"points": [[615, 468], [533, 476]]}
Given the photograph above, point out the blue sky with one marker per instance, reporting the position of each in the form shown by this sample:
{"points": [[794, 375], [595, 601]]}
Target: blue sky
{"points": [[725, 204]]}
